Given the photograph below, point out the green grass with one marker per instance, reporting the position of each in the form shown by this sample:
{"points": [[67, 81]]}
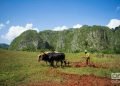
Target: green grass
{"points": [[21, 67], [18, 67], [112, 62], [88, 71]]}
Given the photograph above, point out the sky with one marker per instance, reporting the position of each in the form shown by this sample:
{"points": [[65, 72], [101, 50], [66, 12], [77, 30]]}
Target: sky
{"points": [[17, 16]]}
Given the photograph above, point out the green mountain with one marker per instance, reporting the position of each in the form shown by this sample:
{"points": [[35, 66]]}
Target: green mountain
{"points": [[4, 46], [93, 38]]}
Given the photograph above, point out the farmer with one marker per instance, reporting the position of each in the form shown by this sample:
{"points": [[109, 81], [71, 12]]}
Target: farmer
{"points": [[87, 56]]}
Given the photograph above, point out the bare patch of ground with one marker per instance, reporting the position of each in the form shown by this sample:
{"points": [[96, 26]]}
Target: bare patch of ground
{"points": [[74, 80], [83, 64]]}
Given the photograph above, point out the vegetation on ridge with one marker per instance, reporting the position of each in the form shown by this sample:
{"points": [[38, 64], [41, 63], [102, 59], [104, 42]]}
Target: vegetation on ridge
{"points": [[93, 38]]}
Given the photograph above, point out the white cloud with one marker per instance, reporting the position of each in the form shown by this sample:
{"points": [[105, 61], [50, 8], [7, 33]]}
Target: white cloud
{"points": [[60, 28], [77, 26], [15, 31], [1, 25], [113, 23], [8, 22]]}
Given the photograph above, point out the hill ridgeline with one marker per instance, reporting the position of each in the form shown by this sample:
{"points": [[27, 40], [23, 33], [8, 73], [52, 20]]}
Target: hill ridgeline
{"points": [[93, 38]]}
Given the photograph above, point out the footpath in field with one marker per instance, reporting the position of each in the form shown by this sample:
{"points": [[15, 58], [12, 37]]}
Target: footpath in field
{"points": [[74, 80]]}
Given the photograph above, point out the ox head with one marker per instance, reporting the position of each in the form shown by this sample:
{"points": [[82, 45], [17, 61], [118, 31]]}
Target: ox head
{"points": [[41, 57]]}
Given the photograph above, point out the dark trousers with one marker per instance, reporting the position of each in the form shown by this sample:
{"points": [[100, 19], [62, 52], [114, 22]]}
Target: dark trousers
{"points": [[88, 60]]}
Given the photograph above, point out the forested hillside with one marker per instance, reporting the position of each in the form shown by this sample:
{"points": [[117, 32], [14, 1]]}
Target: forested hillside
{"points": [[93, 38]]}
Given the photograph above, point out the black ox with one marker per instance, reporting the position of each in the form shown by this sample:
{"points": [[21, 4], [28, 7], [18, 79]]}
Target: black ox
{"points": [[53, 57]]}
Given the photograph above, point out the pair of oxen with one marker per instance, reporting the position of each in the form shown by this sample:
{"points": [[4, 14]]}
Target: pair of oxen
{"points": [[53, 57]]}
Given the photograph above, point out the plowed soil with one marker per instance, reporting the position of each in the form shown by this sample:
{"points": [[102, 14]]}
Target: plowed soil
{"points": [[75, 80], [83, 64]]}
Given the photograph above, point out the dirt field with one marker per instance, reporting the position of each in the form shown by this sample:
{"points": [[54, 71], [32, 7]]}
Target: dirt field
{"points": [[18, 68], [75, 79], [83, 64]]}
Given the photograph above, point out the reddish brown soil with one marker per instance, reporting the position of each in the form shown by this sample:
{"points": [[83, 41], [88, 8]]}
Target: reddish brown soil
{"points": [[83, 64], [47, 83], [74, 80], [85, 80]]}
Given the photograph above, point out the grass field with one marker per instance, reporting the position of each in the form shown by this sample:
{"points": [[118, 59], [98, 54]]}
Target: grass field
{"points": [[21, 67]]}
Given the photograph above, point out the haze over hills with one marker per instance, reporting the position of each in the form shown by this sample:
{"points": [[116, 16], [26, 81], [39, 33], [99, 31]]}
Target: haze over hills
{"points": [[4, 46], [93, 38]]}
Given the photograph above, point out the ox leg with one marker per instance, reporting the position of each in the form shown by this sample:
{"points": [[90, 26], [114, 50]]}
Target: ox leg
{"points": [[52, 63], [65, 62], [61, 63], [56, 63]]}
